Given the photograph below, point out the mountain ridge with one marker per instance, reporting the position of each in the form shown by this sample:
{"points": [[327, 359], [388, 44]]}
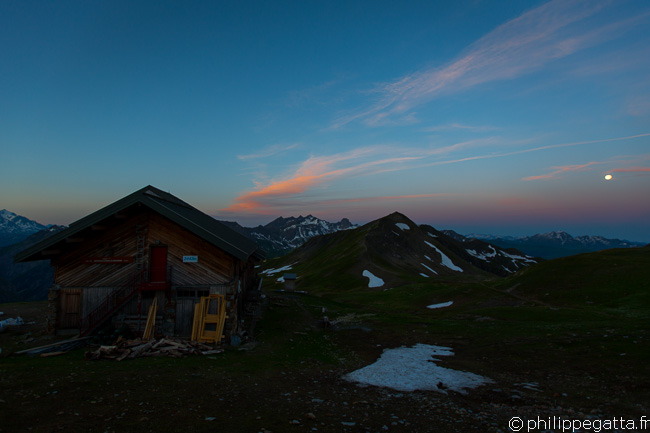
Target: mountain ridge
{"points": [[282, 235], [396, 251], [553, 244], [15, 228]]}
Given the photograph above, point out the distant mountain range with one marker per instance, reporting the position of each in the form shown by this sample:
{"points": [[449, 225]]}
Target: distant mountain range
{"points": [[285, 234], [550, 245], [492, 254], [282, 235]]}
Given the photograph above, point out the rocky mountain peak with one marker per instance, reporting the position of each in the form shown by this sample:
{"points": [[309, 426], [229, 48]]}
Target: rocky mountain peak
{"points": [[14, 228], [284, 234]]}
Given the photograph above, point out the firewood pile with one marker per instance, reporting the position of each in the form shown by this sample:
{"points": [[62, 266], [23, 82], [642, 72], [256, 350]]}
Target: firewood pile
{"points": [[127, 349]]}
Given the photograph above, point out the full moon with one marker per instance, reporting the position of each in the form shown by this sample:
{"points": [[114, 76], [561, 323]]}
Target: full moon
{"points": [[608, 177]]}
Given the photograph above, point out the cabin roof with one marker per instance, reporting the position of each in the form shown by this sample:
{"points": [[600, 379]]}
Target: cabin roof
{"points": [[167, 205]]}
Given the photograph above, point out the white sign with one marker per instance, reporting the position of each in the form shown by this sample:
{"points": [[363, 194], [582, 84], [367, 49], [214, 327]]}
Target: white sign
{"points": [[190, 259]]}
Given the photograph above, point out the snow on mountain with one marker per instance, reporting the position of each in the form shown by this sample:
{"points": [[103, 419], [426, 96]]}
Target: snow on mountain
{"points": [[487, 256], [484, 255], [14, 228], [446, 261], [373, 280], [285, 234], [289, 233], [428, 267], [550, 245]]}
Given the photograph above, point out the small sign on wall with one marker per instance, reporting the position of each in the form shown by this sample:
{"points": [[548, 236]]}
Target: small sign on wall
{"points": [[190, 259]]}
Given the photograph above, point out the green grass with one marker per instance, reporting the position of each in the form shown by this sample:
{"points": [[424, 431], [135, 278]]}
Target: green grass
{"points": [[618, 278]]}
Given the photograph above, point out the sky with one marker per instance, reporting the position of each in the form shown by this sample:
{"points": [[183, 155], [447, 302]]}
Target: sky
{"points": [[476, 116]]}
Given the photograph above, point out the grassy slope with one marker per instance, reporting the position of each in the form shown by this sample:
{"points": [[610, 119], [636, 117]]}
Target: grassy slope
{"points": [[586, 313]]}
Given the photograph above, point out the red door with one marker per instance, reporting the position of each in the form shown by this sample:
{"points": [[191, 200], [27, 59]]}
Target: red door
{"points": [[158, 264]]}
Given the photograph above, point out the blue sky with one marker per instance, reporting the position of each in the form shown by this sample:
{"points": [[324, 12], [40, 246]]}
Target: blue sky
{"points": [[477, 116]]}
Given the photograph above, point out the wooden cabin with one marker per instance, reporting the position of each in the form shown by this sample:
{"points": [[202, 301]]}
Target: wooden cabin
{"points": [[111, 264], [290, 282]]}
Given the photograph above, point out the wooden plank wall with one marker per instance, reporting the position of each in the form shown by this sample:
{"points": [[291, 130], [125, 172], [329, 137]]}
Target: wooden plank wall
{"points": [[69, 309], [184, 315], [116, 240], [214, 265], [93, 296]]}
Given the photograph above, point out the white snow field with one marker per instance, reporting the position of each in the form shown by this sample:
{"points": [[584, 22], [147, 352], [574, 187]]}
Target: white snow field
{"points": [[429, 267], [403, 226], [275, 271], [374, 281], [446, 261], [483, 256], [441, 305], [412, 368]]}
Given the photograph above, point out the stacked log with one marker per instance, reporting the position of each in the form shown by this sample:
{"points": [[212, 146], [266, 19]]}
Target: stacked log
{"points": [[129, 349]]}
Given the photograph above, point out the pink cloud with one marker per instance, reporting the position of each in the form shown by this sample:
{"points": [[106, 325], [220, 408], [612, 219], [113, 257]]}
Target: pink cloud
{"points": [[630, 170], [563, 169], [314, 172]]}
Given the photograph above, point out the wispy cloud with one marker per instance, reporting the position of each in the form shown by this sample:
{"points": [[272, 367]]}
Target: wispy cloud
{"points": [[522, 45], [316, 171], [269, 151], [630, 170], [564, 169], [460, 126], [560, 170], [319, 171]]}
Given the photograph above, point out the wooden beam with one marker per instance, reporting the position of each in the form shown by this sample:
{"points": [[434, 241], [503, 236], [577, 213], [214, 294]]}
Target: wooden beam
{"points": [[50, 252], [98, 227], [73, 240]]}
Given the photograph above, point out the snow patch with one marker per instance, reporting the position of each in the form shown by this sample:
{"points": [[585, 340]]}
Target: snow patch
{"points": [[432, 235], [483, 256], [275, 271], [429, 267], [424, 275], [527, 259], [411, 369], [402, 226], [441, 305], [374, 281], [446, 261]]}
